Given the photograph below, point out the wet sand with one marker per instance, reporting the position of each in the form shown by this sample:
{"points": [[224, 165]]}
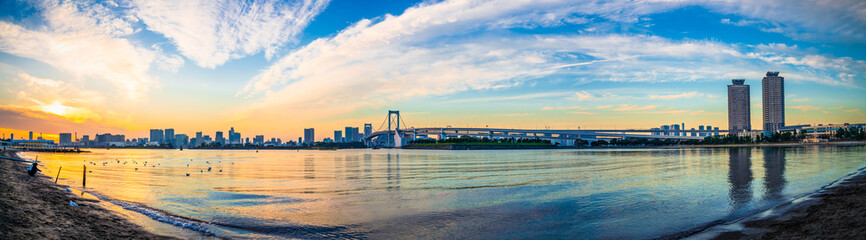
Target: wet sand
{"points": [[836, 212], [36, 208]]}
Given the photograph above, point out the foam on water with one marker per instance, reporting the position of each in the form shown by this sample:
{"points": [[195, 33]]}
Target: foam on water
{"points": [[161, 216]]}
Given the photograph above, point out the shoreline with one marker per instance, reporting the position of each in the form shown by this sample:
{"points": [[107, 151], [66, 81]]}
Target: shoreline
{"points": [[36, 208], [835, 211]]}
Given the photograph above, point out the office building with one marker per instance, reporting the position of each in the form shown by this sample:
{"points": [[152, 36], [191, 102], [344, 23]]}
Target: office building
{"points": [[666, 129], [31, 136], [181, 140], [198, 139], [309, 135], [169, 136], [65, 138], [156, 135], [259, 140], [773, 88], [219, 138], [675, 127], [739, 108], [717, 131], [351, 134], [338, 136], [235, 137]]}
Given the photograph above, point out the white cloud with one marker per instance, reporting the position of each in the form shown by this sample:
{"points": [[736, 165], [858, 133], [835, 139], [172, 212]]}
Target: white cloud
{"points": [[841, 20], [676, 96], [213, 32], [84, 46], [582, 96], [436, 49]]}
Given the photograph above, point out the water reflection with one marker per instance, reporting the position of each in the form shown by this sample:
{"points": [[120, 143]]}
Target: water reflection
{"points": [[309, 167], [393, 175], [740, 176], [774, 178]]}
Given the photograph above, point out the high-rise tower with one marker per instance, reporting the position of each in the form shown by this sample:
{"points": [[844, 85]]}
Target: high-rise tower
{"points": [[739, 110], [773, 102]]}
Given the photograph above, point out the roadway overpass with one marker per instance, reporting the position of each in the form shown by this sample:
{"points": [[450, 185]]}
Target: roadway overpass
{"points": [[565, 137]]}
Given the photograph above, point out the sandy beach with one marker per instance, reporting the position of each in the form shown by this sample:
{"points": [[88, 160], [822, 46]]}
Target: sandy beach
{"points": [[36, 208]]}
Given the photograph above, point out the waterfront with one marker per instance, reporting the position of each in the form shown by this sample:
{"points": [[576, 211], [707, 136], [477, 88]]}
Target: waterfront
{"points": [[639, 193]]}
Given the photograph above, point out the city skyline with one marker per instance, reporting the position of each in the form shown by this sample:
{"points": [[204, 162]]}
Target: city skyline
{"points": [[132, 67]]}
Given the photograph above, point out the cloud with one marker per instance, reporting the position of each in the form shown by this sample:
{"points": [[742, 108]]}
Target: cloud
{"points": [[604, 106], [515, 114], [442, 48], [29, 119], [840, 21], [685, 112], [213, 32], [584, 113], [676, 96], [629, 107], [564, 108], [582, 96], [84, 46], [515, 97], [799, 100], [56, 97], [805, 108]]}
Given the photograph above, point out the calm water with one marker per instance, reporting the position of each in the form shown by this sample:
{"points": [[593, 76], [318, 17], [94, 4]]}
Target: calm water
{"points": [[383, 193]]}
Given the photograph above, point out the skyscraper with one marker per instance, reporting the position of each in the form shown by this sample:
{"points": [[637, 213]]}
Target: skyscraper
{"points": [[181, 140], [773, 102], [338, 136], [65, 138], [218, 137], [309, 135], [169, 135], [351, 134], [739, 110], [156, 135]]}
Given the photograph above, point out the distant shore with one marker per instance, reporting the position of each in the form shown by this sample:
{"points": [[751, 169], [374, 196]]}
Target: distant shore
{"points": [[36, 208], [795, 144]]}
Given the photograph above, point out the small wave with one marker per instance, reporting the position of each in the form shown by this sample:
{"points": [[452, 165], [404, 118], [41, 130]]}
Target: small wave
{"points": [[159, 215]]}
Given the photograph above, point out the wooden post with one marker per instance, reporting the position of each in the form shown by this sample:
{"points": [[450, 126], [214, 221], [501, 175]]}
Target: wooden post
{"points": [[84, 176], [58, 174]]}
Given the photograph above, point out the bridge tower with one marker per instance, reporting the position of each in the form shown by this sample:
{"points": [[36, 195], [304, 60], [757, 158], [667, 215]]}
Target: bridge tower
{"points": [[397, 141]]}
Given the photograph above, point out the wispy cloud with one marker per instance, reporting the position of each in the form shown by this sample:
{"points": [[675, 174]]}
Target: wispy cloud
{"points": [[799, 100], [75, 42], [584, 113], [604, 106], [213, 32], [515, 114], [506, 98], [805, 107], [629, 107], [676, 96], [565, 108], [582, 96]]}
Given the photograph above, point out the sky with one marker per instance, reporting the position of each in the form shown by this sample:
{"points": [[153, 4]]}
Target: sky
{"points": [[274, 68]]}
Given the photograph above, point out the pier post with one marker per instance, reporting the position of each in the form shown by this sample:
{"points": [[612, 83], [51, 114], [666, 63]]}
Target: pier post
{"points": [[84, 176], [58, 174]]}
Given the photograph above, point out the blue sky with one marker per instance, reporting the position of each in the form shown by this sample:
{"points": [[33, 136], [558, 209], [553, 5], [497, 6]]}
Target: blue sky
{"points": [[276, 67]]}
